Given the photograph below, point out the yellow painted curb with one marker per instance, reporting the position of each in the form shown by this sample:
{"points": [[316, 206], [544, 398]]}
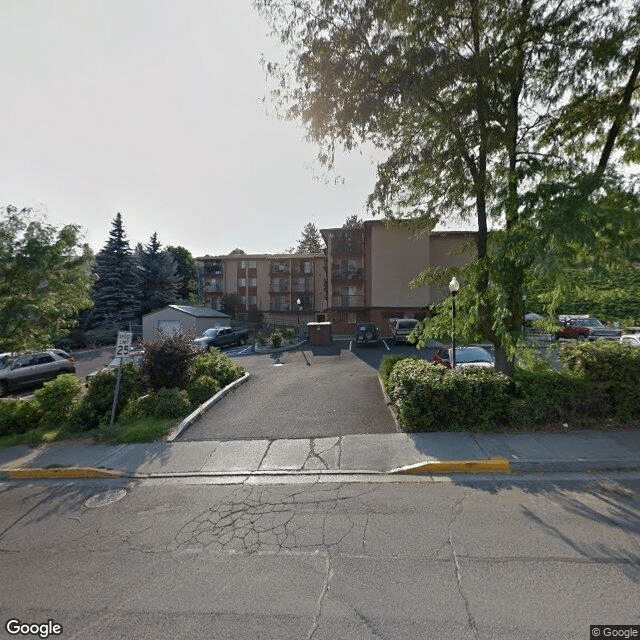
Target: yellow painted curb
{"points": [[496, 465], [64, 472]]}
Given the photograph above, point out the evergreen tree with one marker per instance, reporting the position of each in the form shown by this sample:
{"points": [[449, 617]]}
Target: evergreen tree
{"points": [[353, 222], [311, 240], [186, 272], [157, 279], [115, 292]]}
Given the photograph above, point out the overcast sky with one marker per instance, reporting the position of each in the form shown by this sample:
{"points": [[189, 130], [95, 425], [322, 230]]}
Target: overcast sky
{"points": [[154, 108]]}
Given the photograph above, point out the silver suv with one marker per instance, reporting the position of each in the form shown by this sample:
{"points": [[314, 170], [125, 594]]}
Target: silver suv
{"points": [[401, 329], [32, 369]]}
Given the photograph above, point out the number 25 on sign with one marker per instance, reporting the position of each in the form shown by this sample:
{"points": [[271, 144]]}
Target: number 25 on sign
{"points": [[123, 345]]}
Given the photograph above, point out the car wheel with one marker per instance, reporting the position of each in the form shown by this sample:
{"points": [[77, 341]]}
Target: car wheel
{"points": [[554, 336], [580, 338]]}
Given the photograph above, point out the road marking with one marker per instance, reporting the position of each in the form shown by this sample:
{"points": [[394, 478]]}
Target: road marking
{"points": [[384, 342]]}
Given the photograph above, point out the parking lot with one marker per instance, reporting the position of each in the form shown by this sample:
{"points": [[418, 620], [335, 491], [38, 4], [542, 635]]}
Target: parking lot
{"points": [[306, 393]]}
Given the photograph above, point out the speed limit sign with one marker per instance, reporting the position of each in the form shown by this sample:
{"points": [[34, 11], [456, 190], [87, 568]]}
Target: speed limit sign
{"points": [[123, 345]]}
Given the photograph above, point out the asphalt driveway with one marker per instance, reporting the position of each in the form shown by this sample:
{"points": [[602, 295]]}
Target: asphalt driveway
{"points": [[308, 393]]}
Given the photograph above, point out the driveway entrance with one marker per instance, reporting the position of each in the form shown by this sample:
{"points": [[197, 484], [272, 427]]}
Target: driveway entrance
{"points": [[308, 393]]}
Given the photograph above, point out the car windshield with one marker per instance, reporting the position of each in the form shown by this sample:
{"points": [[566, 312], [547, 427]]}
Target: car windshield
{"points": [[591, 322], [210, 333], [407, 324], [473, 354]]}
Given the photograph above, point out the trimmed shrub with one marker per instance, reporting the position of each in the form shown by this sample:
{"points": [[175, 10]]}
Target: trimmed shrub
{"points": [[615, 370], [429, 397], [18, 416], [161, 403], [216, 365], [275, 341], [95, 407], [57, 399], [289, 334], [166, 359], [386, 366], [201, 389]]}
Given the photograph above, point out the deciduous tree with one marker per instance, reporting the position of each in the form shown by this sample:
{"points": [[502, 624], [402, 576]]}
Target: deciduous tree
{"points": [[44, 279], [507, 113]]}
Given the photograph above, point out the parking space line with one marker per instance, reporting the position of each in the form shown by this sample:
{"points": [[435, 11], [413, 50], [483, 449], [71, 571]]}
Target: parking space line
{"points": [[384, 342]]}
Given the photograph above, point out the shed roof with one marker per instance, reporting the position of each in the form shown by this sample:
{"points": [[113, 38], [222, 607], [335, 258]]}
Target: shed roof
{"points": [[198, 312]]}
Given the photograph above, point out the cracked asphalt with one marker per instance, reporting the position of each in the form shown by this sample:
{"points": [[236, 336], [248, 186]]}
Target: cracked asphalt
{"points": [[469, 559], [309, 393]]}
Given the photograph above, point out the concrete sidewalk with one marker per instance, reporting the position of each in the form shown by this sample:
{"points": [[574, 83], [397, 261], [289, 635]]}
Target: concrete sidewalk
{"points": [[380, 454]]}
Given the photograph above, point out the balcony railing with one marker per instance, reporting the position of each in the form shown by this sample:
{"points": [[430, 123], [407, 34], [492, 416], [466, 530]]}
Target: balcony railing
{"points": [[280, 288], [347, 247], [347, 274], [281, 307], [344, 301]]}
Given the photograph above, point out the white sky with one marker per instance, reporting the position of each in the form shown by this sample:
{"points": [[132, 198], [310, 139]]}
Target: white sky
{"points": [[153, 108]]}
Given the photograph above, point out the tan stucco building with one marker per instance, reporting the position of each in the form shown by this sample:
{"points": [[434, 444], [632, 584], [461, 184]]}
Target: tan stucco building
{"points": [[364, 276], [369, 271], [269, 283]]}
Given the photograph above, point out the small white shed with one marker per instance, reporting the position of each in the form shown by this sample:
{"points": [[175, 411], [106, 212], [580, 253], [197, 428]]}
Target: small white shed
{"points": [[181, 318]]}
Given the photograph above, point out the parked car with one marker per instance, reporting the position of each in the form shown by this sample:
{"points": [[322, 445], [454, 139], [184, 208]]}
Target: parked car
{"points": [[632, 339], [465, 357], [6, 359], [367, 334], [596, 328], [32, 369], [572, 331], [401, 329], [134, 356], [221, 337]]}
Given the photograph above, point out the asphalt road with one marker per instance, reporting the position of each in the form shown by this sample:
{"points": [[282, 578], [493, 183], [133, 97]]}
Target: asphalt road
{"points": [[307, 393], [462, 558]]}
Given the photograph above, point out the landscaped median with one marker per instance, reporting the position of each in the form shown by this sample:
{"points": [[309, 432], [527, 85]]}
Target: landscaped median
{"points": [[596, 389], [174, 380]]}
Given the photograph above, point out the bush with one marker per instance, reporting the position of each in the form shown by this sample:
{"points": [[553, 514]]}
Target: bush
{"points": [[18, 416], [57, 399], [261, 340], [166, 359], [201, 389], [161, 403], [613, 367], [95, 407], [429, 397], [217, 365], [289, 334], [275, 341], [386, 366]]}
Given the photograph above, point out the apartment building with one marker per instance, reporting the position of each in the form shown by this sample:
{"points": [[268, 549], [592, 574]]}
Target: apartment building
{"points": [[369, 271], [265, 283], [364, 276]]}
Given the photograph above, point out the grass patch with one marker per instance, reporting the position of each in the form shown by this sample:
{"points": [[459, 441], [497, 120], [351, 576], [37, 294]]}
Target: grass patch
{"points": [[139, 430], [32, 437]]}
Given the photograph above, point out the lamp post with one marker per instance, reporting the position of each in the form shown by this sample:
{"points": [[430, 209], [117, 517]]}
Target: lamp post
{"points": [[298, 303], [454, 285]]}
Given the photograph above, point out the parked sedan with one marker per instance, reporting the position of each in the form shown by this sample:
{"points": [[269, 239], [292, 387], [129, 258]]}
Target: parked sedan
{"points": [[633, 339], [32, 369], [465, 357]]}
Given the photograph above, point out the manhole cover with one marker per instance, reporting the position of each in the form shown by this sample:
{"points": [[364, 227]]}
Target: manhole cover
{"points": [[105, 498]]}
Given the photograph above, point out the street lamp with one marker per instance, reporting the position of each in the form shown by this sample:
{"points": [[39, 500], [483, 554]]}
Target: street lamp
{"points": [[298, 303], [454, 285]]}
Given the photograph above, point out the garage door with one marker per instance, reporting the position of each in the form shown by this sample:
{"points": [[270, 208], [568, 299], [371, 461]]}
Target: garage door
{"points": [[170, 326]]}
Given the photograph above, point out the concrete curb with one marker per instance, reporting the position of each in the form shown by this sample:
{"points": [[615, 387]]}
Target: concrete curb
{"points": [[203, 408], [496, 465], [64, 472]]}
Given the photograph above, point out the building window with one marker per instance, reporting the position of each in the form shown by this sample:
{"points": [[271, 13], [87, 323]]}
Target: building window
{"points": [[242, 282], [252, 282]]}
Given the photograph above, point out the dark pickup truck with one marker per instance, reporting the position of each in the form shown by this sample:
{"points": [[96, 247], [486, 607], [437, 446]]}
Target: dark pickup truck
{"points": [[222, 337]]}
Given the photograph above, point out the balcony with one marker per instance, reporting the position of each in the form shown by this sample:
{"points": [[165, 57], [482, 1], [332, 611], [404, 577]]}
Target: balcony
{"points": [[339, 301], [279, 288], [347, 248], [280, 307], [347, 274]]}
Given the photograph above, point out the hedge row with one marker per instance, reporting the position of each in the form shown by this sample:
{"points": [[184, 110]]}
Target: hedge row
{"points": [[599, 382]]}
